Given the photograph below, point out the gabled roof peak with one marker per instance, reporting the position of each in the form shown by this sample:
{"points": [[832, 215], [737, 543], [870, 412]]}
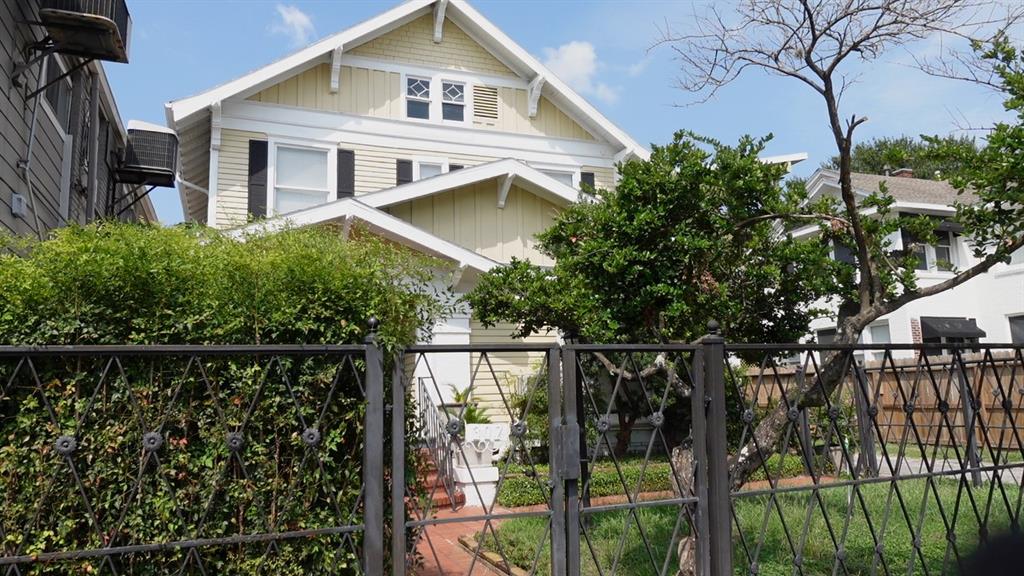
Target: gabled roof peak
{"points": [[460, 12]]}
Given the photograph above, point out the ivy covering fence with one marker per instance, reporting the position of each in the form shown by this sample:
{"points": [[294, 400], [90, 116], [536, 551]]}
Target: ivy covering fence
{"points": [[120, 449]]}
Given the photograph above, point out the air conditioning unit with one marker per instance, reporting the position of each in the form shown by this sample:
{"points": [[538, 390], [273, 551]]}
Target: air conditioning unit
{"points": [[151, 156], [97, 29]]}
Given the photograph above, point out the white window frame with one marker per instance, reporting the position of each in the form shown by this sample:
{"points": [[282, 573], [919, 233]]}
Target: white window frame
{"points": [[406, 98], [48, 110], [466, 116], [436, 115], [1009, 323], [332, 168], [417, 160], [575, 171]]}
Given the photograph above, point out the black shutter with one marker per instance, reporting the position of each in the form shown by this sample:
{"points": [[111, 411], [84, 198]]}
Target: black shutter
{"points": [[258, 178], [587, 180], [403, 170], [454, 167], [346, 174]]}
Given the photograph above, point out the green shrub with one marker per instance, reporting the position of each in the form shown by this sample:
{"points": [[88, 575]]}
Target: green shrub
{"points": [[127, 284]]}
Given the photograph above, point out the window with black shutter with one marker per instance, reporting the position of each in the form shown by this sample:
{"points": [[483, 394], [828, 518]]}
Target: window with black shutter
{"points": [[257, 178], [346, 174], [403, 171], [587, 180]]}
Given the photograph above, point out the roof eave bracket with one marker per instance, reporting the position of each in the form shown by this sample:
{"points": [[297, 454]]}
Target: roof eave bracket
{"points": [[336, 69], [535, 88], [504, 185], [439, 8]]}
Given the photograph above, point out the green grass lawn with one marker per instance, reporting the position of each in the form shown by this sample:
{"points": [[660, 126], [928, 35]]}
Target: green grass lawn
{"points": [[1006, 455], [604, 547]]}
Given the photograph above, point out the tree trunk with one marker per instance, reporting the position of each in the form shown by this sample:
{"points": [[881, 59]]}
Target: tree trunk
{"points": [[683, 487], [624, 434]]}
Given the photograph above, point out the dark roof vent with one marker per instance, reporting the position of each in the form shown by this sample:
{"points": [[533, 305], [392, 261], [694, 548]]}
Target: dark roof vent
{"points": [[97, 29], [151, 156]]}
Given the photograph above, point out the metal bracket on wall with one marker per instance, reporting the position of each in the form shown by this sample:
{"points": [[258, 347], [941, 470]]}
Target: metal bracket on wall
{"points": [[43, 48]]}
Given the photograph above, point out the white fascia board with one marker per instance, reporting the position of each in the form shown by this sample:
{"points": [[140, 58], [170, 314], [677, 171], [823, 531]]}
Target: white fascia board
{"points": [[401, 14], [502, 45], [525, 177], [379, 222], [292, 122], [790, 159], [924, 208]]}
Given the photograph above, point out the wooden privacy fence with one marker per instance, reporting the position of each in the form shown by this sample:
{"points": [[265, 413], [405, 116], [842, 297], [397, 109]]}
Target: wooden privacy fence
{"points": [[924, 397]]}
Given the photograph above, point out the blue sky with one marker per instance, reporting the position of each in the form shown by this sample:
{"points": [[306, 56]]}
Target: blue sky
{"points": [[602, 48]]}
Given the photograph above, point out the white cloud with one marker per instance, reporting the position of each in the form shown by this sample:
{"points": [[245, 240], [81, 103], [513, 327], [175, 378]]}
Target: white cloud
{"points": [[637, 68], [576, 64], [293, 23]]}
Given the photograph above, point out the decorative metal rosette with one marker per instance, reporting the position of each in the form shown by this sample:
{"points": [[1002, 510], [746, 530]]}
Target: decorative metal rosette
{"points": [[235, 441], [311, 436], [66, 445], [152, 441]]}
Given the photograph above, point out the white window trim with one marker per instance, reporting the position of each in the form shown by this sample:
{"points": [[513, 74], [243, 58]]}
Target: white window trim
{"points": [[436, 116], [50, 112], [1009, 326], [467, 99], [417, 160], [576, 171], [332, 168], [406, 98]]}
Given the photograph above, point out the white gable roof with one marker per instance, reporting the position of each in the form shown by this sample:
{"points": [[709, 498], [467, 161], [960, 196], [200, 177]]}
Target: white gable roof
{"points": [[522, 175], [460, 12], [379, 222]]}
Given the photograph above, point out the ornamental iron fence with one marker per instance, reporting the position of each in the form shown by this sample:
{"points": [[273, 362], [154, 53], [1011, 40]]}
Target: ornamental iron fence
{"points": [[712, 458]]}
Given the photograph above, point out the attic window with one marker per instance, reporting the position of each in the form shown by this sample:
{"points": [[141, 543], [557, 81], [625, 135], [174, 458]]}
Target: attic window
{"points": [[417, 98], [453, 101], [485, 104]]}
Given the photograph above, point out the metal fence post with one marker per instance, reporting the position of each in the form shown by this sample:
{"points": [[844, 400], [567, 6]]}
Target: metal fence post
{"points": [[558, 547], [569, 447], [719, 512], [968, 403], [398, 541], [698, 407], [373, 458]]}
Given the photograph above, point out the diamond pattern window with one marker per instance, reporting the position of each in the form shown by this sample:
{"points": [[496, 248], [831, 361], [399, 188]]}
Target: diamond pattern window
{"points": [[453, 101], [417, 98]]}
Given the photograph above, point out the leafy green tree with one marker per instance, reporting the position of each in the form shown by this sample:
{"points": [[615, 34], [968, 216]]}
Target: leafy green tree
{"points": [[882, 155], [815, 44], [683, 238]]}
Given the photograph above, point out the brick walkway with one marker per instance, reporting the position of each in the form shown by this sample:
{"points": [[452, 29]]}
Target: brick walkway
{"points": [[439, 547]]}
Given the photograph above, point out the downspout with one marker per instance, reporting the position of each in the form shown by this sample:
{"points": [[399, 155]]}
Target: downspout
{"points": [[27, 166]]}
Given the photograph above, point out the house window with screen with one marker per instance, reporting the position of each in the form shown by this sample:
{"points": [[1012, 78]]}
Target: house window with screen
{"points": [[1017, 329], [938, 256], [453, 101], [563, 177], [58, 94], [429, 170], [300, 178], [417, 98]]}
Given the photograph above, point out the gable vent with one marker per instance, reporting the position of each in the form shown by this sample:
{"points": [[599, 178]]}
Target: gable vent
{"points": [[485, 104]]}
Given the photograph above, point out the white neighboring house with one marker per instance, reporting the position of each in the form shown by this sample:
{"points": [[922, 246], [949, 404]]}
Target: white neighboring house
{"points": [[988, 308], [425, 125]]}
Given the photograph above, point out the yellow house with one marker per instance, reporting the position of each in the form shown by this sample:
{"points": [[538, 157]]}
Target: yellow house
{"points": [[426, 125]]}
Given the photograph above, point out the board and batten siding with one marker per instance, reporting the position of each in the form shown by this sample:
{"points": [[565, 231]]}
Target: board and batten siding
{"points": [[505, 373], [413, 43], [378, 94], [470, 217], [233, 177]]}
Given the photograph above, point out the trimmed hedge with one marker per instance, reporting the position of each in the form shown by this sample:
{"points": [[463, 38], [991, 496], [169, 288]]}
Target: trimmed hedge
{"points": [[130, 284], [521, 489]]}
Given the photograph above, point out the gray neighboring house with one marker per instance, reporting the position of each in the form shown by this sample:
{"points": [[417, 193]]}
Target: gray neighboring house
{"points": [[63, 170]]}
